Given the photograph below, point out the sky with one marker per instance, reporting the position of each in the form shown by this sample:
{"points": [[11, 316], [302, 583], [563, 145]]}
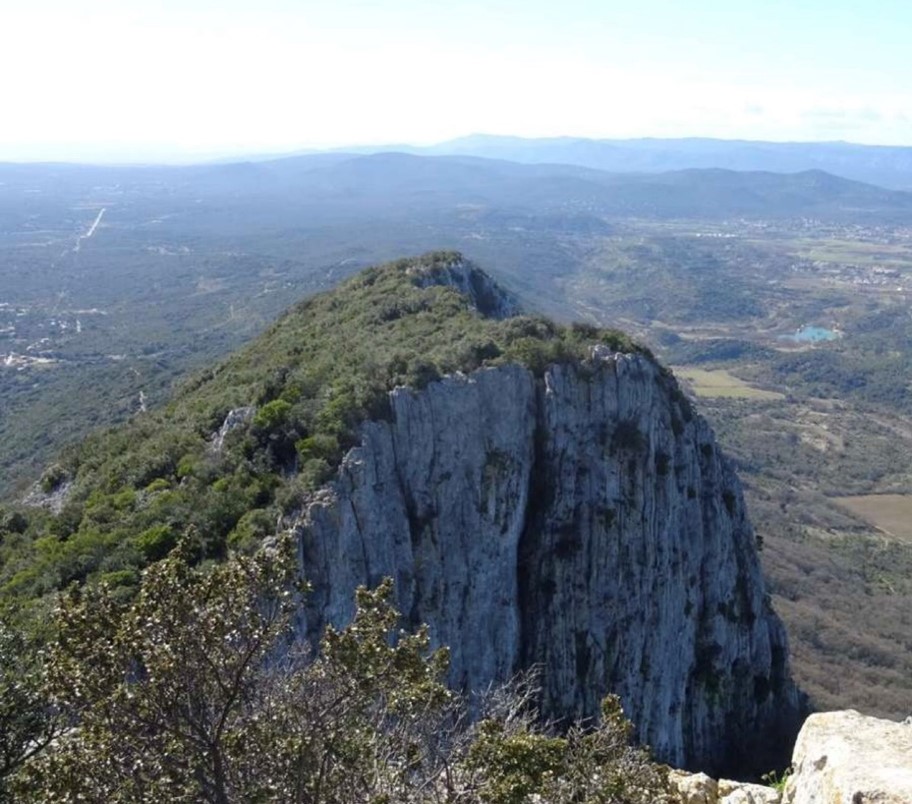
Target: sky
{"points": [[129, 81]]}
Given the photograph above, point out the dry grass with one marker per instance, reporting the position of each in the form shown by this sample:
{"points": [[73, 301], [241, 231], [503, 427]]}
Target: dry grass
{"points": [[720, 383], [891, 513]]}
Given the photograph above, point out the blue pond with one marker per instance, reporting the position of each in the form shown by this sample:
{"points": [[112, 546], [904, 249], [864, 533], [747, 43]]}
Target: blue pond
{"points": [[811, 335]]}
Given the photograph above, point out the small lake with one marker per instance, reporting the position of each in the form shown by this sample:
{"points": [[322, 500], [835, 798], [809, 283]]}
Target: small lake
{"points": [[811, 335]]}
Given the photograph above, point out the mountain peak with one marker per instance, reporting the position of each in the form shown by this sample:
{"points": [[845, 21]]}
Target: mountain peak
{"points": [[451, 269]]}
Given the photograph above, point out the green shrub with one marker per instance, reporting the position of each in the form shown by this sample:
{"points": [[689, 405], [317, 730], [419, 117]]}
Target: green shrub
{"points": [[513, 765], [156, 542], [316, 374], [52, 478], [272, 415], [251, 529], [321, 446], [13, 522], [159, 484], [189, 465], [124, 577]]}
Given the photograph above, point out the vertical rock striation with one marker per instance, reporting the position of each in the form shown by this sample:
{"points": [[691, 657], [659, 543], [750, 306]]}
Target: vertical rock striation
{"points": [[584, 522]]}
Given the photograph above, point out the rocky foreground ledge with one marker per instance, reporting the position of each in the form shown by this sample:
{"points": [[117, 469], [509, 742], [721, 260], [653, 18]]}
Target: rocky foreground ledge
{"points": [[840, 758]]}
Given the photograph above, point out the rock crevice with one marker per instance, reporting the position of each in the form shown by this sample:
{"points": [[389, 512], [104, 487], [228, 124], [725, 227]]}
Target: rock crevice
{"points": [[584, 522]]}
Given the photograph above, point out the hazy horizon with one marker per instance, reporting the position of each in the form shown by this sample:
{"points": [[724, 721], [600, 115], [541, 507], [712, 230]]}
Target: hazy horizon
{"points": [[137, 155], [195, 80]]}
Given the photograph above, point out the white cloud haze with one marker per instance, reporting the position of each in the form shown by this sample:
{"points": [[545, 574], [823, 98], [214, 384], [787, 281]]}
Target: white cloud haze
{"points": [[126, 80]]}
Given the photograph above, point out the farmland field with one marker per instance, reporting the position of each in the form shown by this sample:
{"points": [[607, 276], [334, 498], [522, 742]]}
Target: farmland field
{"points": [[720, 383], [891, 513], [186, 265]]}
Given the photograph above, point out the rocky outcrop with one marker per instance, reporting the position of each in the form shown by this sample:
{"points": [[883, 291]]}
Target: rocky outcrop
{"points": [[698, 788], [693, 788], [848, 758], [53, 499], [731, 792], [584, 522], [482, 293], [237, 417], [839, 758]]}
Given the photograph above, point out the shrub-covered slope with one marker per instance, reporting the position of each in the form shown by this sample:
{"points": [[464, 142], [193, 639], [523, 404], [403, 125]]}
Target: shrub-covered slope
{"points": [[243, 444]]}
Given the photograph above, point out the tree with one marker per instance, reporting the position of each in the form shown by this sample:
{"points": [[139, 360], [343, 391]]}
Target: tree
{"points": [[513, 759], [27, 722], [159, 692], [196, 692]]}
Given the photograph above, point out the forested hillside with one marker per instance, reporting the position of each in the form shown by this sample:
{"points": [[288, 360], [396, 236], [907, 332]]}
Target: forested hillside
{"points": [[244, 442], [782, 302]]}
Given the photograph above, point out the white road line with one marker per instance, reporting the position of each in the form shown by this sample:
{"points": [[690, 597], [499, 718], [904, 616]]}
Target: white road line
{"points": [[90, 231]]}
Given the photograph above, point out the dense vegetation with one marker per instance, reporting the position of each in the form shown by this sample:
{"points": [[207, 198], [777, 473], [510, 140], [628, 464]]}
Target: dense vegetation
{"points": [[727, 297], [299, 393], [712, 268], [192, 693], [843, 587], [189, 263]]}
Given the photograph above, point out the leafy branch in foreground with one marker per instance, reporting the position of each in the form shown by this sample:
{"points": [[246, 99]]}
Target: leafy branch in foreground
{"points": [[158, 693], [27, 723], [196, 692], [514, 760]]}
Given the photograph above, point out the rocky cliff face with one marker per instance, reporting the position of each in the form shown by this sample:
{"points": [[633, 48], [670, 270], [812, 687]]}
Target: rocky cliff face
{"points": [[584, 522], [481, 292]]}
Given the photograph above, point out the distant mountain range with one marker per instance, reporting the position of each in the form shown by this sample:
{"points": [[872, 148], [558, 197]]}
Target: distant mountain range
{"points": [[331, 187], [884, 165], [888, 166]]}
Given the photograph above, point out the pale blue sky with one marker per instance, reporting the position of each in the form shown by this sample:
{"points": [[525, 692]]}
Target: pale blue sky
{"points": [[131, 80]]}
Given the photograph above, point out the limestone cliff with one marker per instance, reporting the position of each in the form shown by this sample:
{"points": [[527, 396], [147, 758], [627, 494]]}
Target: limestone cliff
{"points": [[583, 521], [481, 292]]}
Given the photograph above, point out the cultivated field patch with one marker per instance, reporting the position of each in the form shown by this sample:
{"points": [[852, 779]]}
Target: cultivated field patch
{"points": [[721, 383], [888, 512]]}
